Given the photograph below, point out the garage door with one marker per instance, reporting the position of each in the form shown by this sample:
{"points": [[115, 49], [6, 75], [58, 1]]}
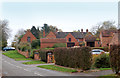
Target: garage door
{"points": [[70, 44]]}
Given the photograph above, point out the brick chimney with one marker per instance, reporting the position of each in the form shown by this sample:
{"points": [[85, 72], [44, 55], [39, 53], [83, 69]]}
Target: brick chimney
{"points": [[81, 30], [43, 33], [86, 30]]}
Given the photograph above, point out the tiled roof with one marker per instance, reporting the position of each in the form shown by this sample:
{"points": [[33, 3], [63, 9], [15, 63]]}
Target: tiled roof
{"points": [[108, 33], [75, 34]]}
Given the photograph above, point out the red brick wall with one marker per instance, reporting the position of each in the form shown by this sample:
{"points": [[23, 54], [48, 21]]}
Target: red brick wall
{"points": [[80, 39], [72, 39], [26, 54], [49, 42], [28, 34], [105, 41], [51, 35], [96, 43], [36, 56]]}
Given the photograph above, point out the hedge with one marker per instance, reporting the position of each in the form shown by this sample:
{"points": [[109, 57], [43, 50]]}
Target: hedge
{"points": [[74, 57], [59, 45], [115, 58], [102, 61]]}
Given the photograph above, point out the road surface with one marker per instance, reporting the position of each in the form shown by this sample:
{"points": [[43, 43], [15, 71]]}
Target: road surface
{"points": [[10, 67]]}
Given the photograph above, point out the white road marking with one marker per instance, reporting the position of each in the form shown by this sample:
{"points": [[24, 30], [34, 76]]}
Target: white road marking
{"points": [[37, 73]]}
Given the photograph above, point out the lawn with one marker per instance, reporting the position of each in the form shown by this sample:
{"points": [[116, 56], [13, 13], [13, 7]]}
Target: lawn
{"points": [[34, 62], [57, 68], [15, 55], [109, 76], [105, 68]]}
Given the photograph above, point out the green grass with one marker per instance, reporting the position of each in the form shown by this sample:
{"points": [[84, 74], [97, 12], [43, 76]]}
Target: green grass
{"points": [[109, 76], [57, 68], [105, 68], [15, 55], [34, 62], [49, 48]]}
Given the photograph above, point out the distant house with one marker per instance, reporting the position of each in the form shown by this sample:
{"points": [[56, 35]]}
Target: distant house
{"points": [[70, 38], [106, 37], [115, 39], [28, 37]]}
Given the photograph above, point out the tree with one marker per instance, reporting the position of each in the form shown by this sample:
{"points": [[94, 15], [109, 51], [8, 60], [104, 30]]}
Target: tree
{"points": [[48, 28], [4, 32], [106, 25], [76, 30], [18, 37], [35, 32]]}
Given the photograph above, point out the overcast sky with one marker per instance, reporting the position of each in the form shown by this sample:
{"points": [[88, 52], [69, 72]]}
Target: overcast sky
{"points": [[67, 16]]}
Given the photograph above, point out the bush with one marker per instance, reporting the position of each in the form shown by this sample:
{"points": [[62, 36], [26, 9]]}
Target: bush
{"points": [[115, 58], [24, 47], [74, 57], [59, 45], [102, 61], [35, 44]]}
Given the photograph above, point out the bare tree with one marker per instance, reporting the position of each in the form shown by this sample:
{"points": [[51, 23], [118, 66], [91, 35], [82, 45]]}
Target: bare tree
{"points": [[4, 32], [106, 25]]}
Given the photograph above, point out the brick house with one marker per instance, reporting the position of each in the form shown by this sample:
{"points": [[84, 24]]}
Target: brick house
{"points": [[70, 38], [115, 39], [106, 37], [28, 37]]}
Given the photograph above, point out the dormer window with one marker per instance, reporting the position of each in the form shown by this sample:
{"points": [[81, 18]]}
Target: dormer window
{"points": [[28, 39], [69, 39]]}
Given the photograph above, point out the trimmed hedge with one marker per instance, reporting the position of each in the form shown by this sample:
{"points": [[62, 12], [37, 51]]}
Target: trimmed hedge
{"points": [[74, 57], [115, 58], [102, 61], [59, 45]]}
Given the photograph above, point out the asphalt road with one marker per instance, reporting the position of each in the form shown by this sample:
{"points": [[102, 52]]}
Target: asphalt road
{"points": [[11, 67]]}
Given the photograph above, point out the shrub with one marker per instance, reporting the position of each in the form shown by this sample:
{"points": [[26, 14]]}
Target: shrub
{"points": [[59, 45], [35, 44], [102, 61], [74, 57], [24, 47], [115, 58]]}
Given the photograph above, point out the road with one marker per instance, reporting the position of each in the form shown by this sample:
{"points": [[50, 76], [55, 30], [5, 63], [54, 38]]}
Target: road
{"points": [[10, 67]]}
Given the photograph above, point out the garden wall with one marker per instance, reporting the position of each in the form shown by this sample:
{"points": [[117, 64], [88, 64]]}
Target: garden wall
{"points": [[24, 53]]}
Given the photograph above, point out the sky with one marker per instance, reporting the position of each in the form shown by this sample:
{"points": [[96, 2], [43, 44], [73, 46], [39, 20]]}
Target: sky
{"points": [[67, 16]]}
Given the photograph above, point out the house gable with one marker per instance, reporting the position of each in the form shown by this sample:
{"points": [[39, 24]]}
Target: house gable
{"points": [[51, 35], [25, 37], [72, 39]]}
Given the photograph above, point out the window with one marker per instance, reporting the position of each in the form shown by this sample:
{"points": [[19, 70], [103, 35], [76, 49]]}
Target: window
{"points": [[98, 42], [28, 39], [69, 39]]}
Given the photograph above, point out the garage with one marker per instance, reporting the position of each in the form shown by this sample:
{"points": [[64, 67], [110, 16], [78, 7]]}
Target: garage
{"points": [[70, 44]]}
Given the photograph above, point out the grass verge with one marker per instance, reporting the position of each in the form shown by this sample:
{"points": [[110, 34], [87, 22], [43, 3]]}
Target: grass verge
{"points": [[34, 62], [105, 68], [109, 76], [15, 55], [57, 68]]}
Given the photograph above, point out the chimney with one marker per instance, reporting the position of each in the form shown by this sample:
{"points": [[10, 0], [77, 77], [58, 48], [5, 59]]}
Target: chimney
{"points": [[86, 30], [81, 30], [56, 30], [43, 33]]}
